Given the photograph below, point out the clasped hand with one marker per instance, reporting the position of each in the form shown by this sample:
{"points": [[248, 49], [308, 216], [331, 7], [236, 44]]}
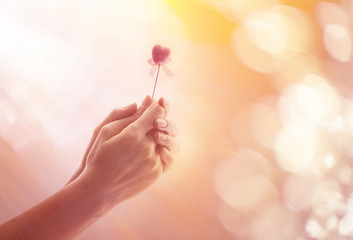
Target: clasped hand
{"points": [[128, 151]]}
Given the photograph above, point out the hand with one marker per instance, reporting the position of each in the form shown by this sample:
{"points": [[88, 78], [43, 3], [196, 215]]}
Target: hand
{"points": [[127, 153], [124, 160], [167, 147], [166, 131]]}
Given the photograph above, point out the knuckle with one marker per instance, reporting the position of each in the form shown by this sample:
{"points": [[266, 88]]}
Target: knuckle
{"points": [[138, 138], [97, 130], [166, 143], [136, 134], [149, 152], [114, 112], [169, 141], [168, 167], [134, 129], [172, 129], [166, 155], [159, 110], [130, 138], [156, 136], [151, 168], [156, 171], [139, 112], [105, 131]]}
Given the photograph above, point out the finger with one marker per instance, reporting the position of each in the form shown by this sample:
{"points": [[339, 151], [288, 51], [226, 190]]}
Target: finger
{"points": [[127, 111], [165, 104], [114, 128], [114, 115], [166, 157], [119, 113], [167, 142], [146, 121], [167, 126], [141, 109], [114, 123], [144, 105]]}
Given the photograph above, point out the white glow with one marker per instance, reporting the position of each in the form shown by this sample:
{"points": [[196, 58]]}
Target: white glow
{"points": [[298, 190], [237, 10], [278, 30], [349, 204], [336, 124], [329, 161], [267, 31], [347, 106], [249, 54], [345, 226], [291, 115], [317, 98], [328, 198], [241, 182], [265, 124], [10, 119], [64, 65], [332, 223], [315, 229], [275, 222], [345, 174], [303, 106], [294, 153], [338, 42], [294, 69]]}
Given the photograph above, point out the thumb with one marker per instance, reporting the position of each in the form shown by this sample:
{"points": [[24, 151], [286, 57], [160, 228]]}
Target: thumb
{"points": [[146, 121], [118, 126], [115, 127]]}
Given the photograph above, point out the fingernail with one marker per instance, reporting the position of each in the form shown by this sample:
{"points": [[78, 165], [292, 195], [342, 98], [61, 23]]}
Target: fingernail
{"points": [[146, 102], [165, 104], [161, 123], [165, 101], [161, 112]]}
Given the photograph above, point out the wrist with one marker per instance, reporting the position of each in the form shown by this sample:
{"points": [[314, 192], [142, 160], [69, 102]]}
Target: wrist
{"points": [[101, 194]]}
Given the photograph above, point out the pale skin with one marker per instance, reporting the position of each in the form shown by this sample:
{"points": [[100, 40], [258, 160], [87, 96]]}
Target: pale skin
{"points": [[128, 152]]}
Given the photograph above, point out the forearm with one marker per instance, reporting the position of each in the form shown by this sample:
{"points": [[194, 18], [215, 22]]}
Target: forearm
{"points": [[62, 216], [122, 162]]}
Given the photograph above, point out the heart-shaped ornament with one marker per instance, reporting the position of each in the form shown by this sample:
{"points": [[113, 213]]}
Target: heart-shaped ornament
{"points": [[160, 54]]}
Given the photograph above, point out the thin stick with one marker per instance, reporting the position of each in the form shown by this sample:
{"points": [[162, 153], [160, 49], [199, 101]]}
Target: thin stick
{"points": [[155, 82]]}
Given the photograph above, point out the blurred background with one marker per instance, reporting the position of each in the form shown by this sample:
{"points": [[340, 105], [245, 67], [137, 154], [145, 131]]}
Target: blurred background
{"points": [[261, 91]]}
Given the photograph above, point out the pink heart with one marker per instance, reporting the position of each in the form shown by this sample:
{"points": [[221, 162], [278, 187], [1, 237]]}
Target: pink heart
{"points": [[160, 54]]}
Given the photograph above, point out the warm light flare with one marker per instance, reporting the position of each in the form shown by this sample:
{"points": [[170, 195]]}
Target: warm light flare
{"points": [[330, 13], [250, 54], [265, 124], [242, 181], [296, 153], [338, 42], [261, 93], [345, 227], [266, 30], [238, 10], [327, 198], [275, 222], [298, 190]]}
